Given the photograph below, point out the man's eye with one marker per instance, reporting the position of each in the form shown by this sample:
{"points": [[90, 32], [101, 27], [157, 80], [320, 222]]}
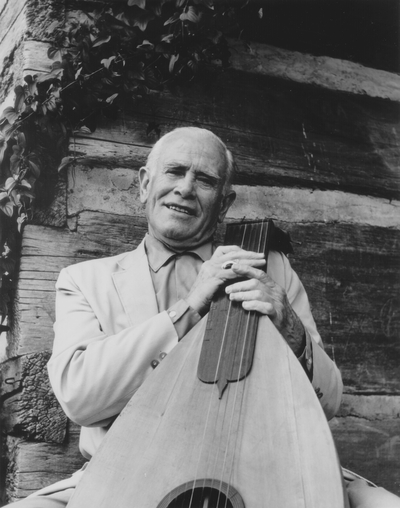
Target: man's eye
{"points": [[204, 180], [175, 172]]}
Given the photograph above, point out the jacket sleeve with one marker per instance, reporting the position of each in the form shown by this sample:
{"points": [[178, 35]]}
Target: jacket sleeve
{"points": [[326, 377], [94, 374]]}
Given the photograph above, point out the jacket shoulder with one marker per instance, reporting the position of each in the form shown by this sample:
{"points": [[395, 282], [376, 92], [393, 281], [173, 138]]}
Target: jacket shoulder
{"points": [[104, 265]]}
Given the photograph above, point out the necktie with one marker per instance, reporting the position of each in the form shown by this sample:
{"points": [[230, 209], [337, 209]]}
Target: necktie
{"points": [[187, 267]]}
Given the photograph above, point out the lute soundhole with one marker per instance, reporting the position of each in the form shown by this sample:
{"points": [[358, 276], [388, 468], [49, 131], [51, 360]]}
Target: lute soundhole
{"points": [[204, 493]]}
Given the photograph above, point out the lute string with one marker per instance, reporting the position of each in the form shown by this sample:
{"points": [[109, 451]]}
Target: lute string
{"points": [[244, 358], [229, 312], [264, 227], [212, 395], [246, 347]]}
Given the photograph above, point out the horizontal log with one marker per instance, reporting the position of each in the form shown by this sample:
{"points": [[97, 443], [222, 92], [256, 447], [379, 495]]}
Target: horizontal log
{"points": [[370, 407], [37, 465], [115, 191], [370, 449], [324, 71]]}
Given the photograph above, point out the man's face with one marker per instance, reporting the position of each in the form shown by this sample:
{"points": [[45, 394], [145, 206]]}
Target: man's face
{"points": [[184, 191]]}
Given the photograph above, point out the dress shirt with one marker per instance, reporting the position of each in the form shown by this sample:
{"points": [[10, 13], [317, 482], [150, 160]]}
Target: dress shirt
{"points": [[173, 274]]}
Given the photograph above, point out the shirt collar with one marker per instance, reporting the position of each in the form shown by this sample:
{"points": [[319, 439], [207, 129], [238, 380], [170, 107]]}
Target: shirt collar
{"points": [[159, 254]]}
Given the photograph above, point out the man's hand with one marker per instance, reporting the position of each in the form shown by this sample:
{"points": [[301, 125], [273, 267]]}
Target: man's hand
{"points": [[212, 275], [260, 293]]}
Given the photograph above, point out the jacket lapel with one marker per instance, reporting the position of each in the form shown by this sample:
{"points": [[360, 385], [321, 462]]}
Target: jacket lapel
{"points": [[135, 287]]}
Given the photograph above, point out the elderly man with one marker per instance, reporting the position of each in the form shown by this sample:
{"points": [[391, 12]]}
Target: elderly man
{"points": [[116, 316]]}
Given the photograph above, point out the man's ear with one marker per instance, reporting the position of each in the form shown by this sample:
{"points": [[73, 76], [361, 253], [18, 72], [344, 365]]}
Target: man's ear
{"points": [[144, 179], [227, 202]]}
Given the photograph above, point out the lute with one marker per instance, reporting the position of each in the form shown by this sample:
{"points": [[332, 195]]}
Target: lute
{"points": [[227, 420]]}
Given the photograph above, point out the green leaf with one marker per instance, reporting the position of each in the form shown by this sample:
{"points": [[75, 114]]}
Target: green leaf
{"points": [[42, 78], [10, 184], [19, 98], [145, 45], [26, 184], [53, 53], [15, 197], [34, 168], [101, 40], [51, 104], [65, 161], [190, 15], [167, 38], [7, 207], [142, 19], [172, 62], [28, 193], [23, 218], [21, 140], [31, 82], [10, 114], [172, 19], [108, 61], [56, 65], [112, 98], [139, 3], [14, 164]]}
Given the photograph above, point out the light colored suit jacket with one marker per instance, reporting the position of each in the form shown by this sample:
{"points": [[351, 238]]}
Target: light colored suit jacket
{"points": [[108, 330]]}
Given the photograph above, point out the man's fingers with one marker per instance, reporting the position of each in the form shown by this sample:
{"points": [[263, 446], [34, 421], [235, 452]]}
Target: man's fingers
{"points": [[235, 253], [251, 272], [241, 296], [261, 307]]}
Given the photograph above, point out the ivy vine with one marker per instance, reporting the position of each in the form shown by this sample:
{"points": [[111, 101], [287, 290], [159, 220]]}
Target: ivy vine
{"points": [[103, 61]]}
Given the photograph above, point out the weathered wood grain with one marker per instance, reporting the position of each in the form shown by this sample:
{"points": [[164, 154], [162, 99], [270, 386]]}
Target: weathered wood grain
{"points": [[45, 251], [370, 448], [323, 71], [33, 466], [303, 136], [50, 206], [351, 274], [29, 407], [370, 407], [115, 191]]}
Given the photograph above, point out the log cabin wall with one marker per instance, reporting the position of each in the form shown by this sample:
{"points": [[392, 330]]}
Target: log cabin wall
{"points": [[317, 146]]}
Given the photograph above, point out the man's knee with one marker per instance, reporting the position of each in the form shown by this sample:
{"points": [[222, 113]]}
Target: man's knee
{"points": [[55, 500], [361, 495]]}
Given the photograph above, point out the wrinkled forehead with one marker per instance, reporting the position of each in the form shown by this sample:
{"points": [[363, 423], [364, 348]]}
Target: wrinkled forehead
{"points": [[193, 149]]}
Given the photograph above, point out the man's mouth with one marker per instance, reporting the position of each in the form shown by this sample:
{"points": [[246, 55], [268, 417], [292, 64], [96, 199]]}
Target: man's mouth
{"points": [[181, 209]]}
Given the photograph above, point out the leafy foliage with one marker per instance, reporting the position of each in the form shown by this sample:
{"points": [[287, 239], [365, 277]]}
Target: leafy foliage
{"points": [[103, 61]]}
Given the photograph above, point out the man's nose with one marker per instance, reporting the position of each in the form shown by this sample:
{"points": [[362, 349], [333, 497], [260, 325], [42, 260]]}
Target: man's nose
{"points": [[186, 187]]}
